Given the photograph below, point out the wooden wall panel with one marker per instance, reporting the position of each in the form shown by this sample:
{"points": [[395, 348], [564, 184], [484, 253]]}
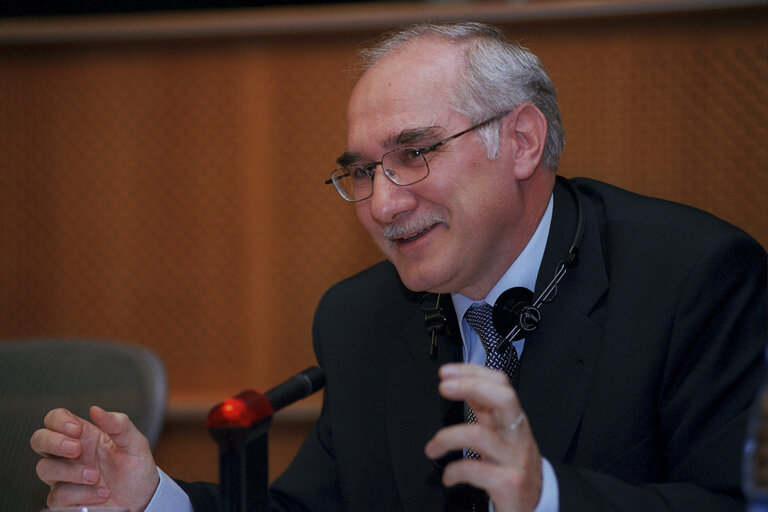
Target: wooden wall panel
{"points": [[168, 195], [676, 110], [169, 192]]}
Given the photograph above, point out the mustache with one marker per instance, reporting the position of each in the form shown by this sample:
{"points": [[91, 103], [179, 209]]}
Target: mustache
{"points": [[392, 232]]}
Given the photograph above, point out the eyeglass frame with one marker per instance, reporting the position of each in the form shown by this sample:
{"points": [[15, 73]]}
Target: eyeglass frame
{"points": [[422, 151]]}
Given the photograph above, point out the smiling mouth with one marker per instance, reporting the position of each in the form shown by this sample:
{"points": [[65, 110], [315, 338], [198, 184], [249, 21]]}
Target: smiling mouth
{"points": [[413, 236], [402, 234]]}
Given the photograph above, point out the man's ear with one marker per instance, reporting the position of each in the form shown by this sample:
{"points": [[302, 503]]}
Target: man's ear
{"points": [[526, 129]]}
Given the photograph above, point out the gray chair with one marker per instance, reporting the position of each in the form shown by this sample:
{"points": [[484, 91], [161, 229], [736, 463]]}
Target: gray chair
{"points": [[38, 375]]}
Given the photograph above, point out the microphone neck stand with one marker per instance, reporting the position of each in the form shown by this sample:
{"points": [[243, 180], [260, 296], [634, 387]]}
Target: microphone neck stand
{"points": [[240, 426]]}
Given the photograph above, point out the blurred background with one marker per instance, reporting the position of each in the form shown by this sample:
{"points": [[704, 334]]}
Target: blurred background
{"points": [[162, 166]]}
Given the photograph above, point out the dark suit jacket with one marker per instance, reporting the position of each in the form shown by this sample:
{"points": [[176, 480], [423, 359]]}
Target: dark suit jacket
{"points": [[637, 383]]}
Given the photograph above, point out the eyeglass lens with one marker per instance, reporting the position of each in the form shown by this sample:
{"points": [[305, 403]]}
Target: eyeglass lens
{"points": [[403, 166]]}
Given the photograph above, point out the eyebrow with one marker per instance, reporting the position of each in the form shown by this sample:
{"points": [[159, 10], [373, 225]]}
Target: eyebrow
{"points": [[423, 135], [414, 135], [346, 159]]}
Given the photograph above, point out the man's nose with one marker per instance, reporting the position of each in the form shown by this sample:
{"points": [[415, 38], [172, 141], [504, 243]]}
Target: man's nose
{"points": [[389, 199]]}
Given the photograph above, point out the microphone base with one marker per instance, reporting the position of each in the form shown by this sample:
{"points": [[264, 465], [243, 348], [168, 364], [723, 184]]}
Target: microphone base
{"points": [[243, 469]]}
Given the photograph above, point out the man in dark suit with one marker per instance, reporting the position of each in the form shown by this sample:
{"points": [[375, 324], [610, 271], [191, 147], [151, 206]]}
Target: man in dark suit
{"points": [[631, 394]]}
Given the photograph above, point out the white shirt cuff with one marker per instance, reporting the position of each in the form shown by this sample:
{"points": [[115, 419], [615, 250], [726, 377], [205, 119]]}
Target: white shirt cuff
{"points": [[550, 495], [168, 496]]}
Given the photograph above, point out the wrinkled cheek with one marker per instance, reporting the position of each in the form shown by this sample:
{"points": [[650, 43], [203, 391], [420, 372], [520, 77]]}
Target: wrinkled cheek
{"points": [[363, 212], [373, 229]]}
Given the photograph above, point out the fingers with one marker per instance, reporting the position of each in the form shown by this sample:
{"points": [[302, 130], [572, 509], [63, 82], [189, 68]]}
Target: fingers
{"points": [[61, 420], [510, 467], [53, 471], [61, 446], [120, 429], [487, 391], [106, 460], [490, 443], [509, 487], [459, 437], [60, 437], [48, 443], [470, 472], [510, 472], [70, 494]]}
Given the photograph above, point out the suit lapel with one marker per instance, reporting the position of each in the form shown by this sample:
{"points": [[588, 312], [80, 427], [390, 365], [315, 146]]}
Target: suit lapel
{"points": [[559, 356], [415, 410]]}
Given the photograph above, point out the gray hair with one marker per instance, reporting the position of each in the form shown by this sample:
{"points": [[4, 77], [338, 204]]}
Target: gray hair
{"points": [[498, 76]]}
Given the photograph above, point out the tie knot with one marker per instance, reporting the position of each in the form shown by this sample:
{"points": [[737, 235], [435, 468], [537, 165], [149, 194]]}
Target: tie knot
{"points": [[480, 317]]}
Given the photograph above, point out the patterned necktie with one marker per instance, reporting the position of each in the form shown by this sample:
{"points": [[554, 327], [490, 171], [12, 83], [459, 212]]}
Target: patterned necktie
{"points": [[479, 317]]}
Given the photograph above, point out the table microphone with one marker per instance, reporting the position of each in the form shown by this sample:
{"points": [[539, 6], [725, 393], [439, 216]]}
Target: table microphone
{"points": [[239, 425], [297, 387]]}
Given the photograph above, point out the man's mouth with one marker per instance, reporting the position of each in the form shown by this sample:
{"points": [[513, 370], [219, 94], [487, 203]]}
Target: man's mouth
{"points": [[403, 234], [413, 236]]}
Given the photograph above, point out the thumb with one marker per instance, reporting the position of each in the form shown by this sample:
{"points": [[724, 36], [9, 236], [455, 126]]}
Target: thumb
{"points": [[118, 426]]}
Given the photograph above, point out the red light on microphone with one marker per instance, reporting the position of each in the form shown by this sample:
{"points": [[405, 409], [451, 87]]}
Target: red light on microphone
{"points": [[242, 411]]}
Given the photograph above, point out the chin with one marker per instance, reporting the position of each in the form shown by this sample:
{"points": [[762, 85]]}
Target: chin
{"points": [[417, 281]]}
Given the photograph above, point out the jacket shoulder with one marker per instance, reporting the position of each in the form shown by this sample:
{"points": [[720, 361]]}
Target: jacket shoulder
{"points": [[616, 206], [375, 295], [381, 278]]}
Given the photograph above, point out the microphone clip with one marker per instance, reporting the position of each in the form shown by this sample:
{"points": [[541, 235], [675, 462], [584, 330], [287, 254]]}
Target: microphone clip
{"points": [[529, 318], [434, 321]]}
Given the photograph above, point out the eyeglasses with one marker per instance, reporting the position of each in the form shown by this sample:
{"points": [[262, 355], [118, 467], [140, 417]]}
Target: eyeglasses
{"points": [[403, 166]]}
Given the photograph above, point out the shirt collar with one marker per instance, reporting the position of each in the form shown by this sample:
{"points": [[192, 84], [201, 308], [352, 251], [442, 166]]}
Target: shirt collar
{"points": [[522, 272]]}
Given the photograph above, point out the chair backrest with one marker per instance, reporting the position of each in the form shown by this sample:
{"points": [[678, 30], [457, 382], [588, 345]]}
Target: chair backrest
{"points": [[38, 375]]}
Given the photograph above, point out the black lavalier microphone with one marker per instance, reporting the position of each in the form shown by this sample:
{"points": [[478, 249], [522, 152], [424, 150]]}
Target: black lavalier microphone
{"points": [[513, 309]]}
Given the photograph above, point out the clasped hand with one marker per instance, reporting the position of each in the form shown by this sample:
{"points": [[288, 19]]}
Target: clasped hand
{"points": [[510, 469], [103, 462]]}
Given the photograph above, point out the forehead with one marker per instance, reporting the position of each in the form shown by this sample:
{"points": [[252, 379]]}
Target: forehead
{"points": [[409, 89]]}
